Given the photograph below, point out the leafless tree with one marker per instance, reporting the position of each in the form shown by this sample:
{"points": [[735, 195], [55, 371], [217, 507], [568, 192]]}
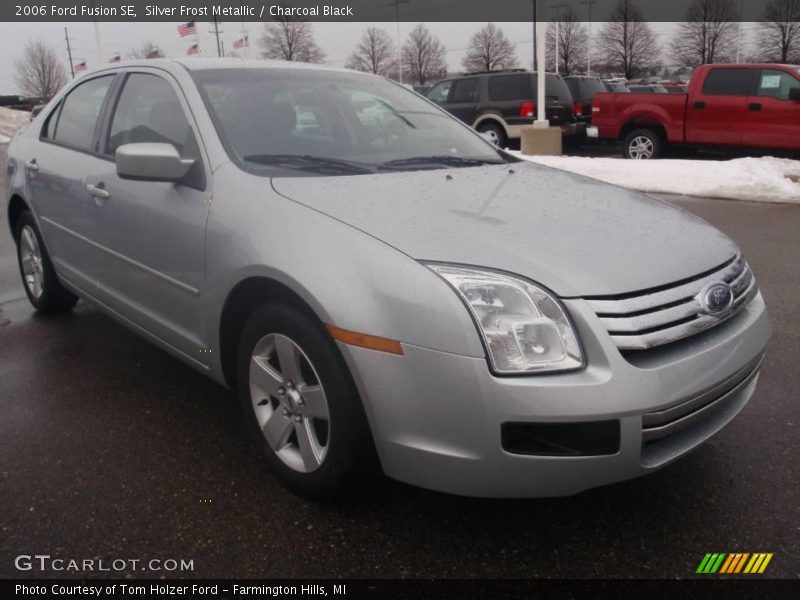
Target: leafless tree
{"points": [[146, 49], [779, 33], [424, 56], [375, 53], [489, 50], [290, 39], [709, 34], [39, 73], [626, 42], [572, 43]]}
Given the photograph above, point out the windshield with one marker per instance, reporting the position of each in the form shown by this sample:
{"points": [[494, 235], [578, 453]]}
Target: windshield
{"points": [[289, 122]]}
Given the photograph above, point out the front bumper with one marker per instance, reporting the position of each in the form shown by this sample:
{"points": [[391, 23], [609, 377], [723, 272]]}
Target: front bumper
{"points": [[437, 418]]}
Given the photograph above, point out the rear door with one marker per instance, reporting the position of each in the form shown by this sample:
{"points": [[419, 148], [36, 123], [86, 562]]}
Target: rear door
{"points": [[151, 234], [60, 168], [773, 119], [716, 113]]}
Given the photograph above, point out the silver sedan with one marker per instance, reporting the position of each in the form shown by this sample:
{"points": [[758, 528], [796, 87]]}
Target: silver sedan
{"points": [[379, 284]]}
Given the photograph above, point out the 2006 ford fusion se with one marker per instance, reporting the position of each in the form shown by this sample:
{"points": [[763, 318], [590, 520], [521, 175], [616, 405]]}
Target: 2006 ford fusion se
{"points": [[376, 280]]}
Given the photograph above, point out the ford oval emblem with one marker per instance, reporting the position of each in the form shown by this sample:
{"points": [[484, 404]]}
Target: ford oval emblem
{"points": [[716, 297]]}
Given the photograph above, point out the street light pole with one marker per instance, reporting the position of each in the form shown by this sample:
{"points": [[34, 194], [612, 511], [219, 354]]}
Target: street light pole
{"points": [[557, 8], [589, 45], [396, 4]]}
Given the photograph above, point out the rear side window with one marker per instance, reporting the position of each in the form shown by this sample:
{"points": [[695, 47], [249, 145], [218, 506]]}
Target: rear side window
{"points": [[776, 84], [509, 87], [439, 92], [728, 82], [465, 90], [78, 114], [148, 111]]}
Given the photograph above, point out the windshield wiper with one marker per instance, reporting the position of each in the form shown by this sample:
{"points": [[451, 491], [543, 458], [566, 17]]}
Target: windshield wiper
{"points": [[443, 159], [308, 162]]}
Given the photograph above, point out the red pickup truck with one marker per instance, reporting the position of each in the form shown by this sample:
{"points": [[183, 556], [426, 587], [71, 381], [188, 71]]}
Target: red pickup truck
{"points": [[738, 105]]}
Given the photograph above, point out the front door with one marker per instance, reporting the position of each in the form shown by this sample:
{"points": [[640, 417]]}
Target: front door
{"points": [[773, 118], [152, 234]]}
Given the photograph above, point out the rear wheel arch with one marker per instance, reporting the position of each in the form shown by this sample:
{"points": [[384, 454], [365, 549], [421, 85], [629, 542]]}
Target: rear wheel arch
{"points": [[644, 122], [16, 206]]}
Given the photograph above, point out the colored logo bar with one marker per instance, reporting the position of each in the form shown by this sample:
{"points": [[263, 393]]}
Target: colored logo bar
{"points": [[734, 563]]}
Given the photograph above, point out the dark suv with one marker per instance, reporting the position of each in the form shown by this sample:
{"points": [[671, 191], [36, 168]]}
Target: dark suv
{"points": [[501, 103], [583, 89]]}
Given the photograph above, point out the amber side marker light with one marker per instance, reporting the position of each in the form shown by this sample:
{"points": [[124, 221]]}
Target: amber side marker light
{"points": [[362, 340]]}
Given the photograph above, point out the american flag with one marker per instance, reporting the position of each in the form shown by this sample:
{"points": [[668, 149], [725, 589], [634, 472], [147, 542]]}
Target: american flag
{"points": [[81, 66], [240, 43], [187, 29], [192, 49], [114, 59]]}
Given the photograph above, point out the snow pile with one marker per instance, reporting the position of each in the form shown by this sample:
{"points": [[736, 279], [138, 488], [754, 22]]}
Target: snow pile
{"points": [[765, 179], [12, 121]]}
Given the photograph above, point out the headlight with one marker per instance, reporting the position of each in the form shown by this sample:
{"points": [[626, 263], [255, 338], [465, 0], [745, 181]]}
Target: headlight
{"points": [[524, 327]]}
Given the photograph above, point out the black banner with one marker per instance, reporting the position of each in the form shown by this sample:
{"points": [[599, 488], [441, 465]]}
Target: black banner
{"points": [[497, 589], [360, 10]]}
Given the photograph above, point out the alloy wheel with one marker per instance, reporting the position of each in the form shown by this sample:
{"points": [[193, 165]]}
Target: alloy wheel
{"points": [[641, 147], [31, 258], [289, 403]]}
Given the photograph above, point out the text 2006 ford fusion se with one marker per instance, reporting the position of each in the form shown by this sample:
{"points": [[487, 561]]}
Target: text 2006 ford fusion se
{"points": [[375, 279]]}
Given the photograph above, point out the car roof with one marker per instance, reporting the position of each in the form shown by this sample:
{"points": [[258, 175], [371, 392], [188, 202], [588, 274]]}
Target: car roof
{"points": [[204, 64]]}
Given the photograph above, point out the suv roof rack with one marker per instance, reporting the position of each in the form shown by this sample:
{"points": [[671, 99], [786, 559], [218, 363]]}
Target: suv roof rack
{"points": [[497, 71]]}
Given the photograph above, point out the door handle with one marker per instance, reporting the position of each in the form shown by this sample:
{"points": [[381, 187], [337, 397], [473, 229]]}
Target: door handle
{"points": [[98, 191], [699, 105], [755, 107], [32, 165]]}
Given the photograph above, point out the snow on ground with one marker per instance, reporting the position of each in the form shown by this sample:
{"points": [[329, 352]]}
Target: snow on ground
{"points": [[764, 179], [12, 121]]}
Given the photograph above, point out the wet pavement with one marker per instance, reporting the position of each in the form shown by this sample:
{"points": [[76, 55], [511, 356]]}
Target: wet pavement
{"points": [[111, 449]]}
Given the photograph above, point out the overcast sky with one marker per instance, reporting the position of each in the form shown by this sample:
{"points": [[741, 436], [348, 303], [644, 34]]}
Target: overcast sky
{"points": [[336, 39]]}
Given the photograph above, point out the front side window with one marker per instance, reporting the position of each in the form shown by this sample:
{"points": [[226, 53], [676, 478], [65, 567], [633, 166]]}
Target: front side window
{"points": [[78, 114], [440, 92], [727, 82], [148, 111], [285, 122], [777, 84]]}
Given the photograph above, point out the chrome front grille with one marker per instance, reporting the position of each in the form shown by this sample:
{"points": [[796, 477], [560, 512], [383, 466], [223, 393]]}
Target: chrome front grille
{"points": [[639, 321]]}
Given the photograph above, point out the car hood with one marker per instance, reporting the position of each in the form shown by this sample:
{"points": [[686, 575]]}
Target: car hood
{"points": [[572, 234]]}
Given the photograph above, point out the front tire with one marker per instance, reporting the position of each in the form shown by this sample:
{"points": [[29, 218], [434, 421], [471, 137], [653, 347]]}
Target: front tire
{"points": [[39, 279], [300, 404], [643, 144]]}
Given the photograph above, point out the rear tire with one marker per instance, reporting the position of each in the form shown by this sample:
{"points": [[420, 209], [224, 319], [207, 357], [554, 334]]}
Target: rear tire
{"points": [[300, 405], [39, 278], [495, 131], [643, 144]]}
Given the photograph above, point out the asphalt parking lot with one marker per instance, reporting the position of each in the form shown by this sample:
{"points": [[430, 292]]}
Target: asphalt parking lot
{"points": [[110, 448]]}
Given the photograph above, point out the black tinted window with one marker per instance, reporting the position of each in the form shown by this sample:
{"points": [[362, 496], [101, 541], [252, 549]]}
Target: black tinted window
{"points": [[727, 82], [79, 112], [148, 110], [465, 90], [509, 87]]}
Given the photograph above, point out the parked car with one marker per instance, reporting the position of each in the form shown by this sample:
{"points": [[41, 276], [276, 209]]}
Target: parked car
{"points": [[621, 88], [649, 88], [583, 89], [396, 288], [500, 103], [675, 88], [726, 106]]}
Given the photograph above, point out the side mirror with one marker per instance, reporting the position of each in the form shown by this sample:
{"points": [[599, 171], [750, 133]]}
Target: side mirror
{"points": [[794, 93], [151, 162]]}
